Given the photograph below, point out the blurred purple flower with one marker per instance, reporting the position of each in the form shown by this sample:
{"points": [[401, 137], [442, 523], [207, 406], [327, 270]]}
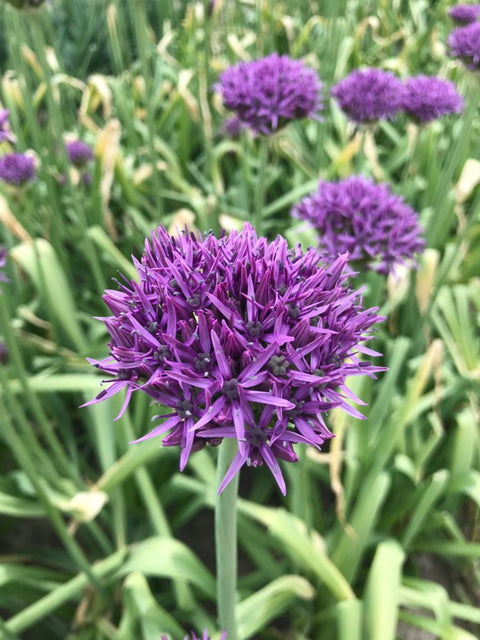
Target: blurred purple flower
{"points": [[17, 168], [232, 128], [79, 153], [464, 13], [427, 98], [368, 96], [267, 93], [464, 43], [5, 133], [242, 338], [3, 263], [375, 226], [3, 353]]}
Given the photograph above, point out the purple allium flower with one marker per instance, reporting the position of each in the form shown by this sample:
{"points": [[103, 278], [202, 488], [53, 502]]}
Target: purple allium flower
{"points": [[232, 128], [375, 226], [240, 338], [267, 93], [464, 43], [368, 96], [79, 153], [464, 13], [5, 133], [3, 263], [17, 168], [427, 98], [3, 353]]}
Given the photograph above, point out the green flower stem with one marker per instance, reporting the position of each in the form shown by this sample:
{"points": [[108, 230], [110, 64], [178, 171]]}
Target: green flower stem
{"points": [[226, 541], [260, 183], [65, 592]]}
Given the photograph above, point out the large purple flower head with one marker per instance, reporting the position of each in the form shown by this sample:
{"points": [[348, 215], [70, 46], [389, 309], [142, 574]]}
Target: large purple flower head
{"points": [[3, 263], [368, 96], [17, 168], [427, 98], [464, 43], [375, 226], [239, 338], [464, 13], [79, 153], [267, 93], [5, 133]]}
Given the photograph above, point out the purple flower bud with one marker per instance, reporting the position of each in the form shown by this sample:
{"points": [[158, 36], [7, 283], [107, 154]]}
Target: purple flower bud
{"points": [[368, 96], [366, 220], [240, 338], [3, 263], [268, 93], [17, 168], [464, 43], [427, 98], [5, 133], [464, 13], [79, 153]]}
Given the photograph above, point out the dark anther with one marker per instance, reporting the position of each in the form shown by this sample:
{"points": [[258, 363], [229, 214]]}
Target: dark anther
{"points": [[278, 365]]}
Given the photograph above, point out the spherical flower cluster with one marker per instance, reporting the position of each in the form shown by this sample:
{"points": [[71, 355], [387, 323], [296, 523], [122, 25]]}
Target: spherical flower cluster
{"points": [[368, 96], [193, 636], [464, 13], [17, 168], [5, 133], [464, 43], [426, 98], [3, 263], [375, 226], [79, 153], [240, 338], [268, 93]]}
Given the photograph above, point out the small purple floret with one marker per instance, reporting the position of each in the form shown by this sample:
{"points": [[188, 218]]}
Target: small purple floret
{"points": [[464, 13], [79, 153], [368, 96], [240, 338], [268, 93], [464, 43], [428, 98], [5, 133], [232, 128], [375, 226], [17, 168], [3, 263]]}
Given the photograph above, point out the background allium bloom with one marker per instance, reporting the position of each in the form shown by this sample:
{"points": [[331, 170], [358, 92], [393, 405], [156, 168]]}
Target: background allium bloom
{"points": [[375, 226], [3, 262], [464, 43], [427, 98], [5, 133], [241, 338], [267, 93], [16, 168], [464, 13], [79, 153], [232, 128], [368, 96]]}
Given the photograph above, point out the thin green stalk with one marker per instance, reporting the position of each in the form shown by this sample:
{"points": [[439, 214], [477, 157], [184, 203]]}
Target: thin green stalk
{"points": [[27, 463], [71, 589], [260, 184], [226, 541]]}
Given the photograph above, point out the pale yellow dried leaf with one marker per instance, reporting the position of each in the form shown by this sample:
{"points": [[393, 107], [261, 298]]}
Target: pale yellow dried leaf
{"points": [[181, 219], [12, 224], [31, 59], [239, 47], [106, 149], [398, 283], [184, 78], [229, 223], [11, 88], [52, 59], [426, 278], [469, 178], [86, 505]]}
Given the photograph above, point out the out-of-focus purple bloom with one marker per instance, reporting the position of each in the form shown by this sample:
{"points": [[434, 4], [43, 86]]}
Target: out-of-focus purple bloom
{"points": [[368, 96], [17, 168], [241, 338], [3, 353], [464, 43], [86, 179], [464, 13], [427, 98], [5, 133], [232, 128], [79, 153], [375, 226], [268, 93], [3, 263]]}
